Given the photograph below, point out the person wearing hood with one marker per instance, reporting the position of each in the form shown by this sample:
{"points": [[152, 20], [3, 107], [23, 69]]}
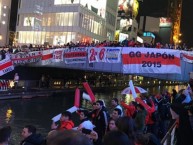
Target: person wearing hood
{"points": [[66, 122], [30, 137]]}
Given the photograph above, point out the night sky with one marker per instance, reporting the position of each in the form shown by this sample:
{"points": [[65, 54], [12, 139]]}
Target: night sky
{"points": [[148, 7], [187, 22], [159, 8]]}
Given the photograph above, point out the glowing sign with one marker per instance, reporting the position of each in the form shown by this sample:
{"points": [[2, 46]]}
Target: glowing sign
{"points": [[165, 22]]}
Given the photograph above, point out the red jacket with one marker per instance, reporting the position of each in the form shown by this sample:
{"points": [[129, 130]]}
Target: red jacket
{"points": [[130, 109], [149, 109], [66, 125]]}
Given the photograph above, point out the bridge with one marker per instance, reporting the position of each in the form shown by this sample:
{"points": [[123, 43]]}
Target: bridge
{"points": [[166, 64]]}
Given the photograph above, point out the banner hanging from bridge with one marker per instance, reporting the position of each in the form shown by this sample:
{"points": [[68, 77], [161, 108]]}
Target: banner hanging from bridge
{"points": [[47, 56], [150, 60], [187, 56], [6, 66], [104, 54], [22, 58], [75, 55]]}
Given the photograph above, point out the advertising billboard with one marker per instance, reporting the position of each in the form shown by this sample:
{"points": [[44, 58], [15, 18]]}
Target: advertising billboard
{"points": [[165, 22], [97, 6], [128, 8]]}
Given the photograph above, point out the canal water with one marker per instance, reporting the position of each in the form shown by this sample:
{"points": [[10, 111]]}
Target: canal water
{"points": [[38, 111]]}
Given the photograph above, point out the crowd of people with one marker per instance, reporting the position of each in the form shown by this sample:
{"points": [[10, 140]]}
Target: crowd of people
{"points": [[124, 43], [145, 121]]}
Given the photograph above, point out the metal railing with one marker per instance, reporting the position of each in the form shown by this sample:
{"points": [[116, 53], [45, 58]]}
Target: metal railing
{"points": [[169, 138]]}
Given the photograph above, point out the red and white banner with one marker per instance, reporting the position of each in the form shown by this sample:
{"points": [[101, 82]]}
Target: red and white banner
{"points": [[187, 56], [75, 55], [6, 66], [104, 54], [151, 60], [47, 56], [58, 55], [96, 54], [26, 57]]}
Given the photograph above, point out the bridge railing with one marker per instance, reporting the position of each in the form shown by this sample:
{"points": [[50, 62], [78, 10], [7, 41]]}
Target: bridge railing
{"points": [[169, 138]]}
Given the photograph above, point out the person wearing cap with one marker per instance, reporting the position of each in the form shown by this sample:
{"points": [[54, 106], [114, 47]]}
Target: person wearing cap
{"points": [[65, 122]]}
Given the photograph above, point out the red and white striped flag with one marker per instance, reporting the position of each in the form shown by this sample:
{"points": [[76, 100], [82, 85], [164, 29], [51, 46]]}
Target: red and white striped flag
{"points": [[6, 66], [47, 56]]}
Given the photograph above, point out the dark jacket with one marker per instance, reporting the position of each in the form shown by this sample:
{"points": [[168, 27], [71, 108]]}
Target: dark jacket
{"points": [[101, 122], [34, 139], [184, 130]]}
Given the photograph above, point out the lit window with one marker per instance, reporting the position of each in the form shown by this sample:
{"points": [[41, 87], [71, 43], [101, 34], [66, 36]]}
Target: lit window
{"points": [[3, 22]]}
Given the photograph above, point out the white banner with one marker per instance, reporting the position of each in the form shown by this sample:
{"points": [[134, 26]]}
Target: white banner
{"points": [[151, 60], [26, 57], [96, 54], [104, 54], [113, 54], [58, 55], [75, 55], [47, 56], [6, 66]]}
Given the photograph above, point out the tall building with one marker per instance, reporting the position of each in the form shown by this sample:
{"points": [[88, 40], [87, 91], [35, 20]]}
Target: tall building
{"points": [[5, 6], [174, 12], [127, 26], [61, 21]]}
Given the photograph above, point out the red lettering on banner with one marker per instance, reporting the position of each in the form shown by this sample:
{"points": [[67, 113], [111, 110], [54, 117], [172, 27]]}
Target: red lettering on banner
{"points": [[92, 56], [75, 54], [138, 60], [102, 54]]}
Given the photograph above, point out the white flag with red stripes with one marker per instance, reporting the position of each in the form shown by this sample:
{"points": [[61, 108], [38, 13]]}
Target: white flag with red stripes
{"points": [[187, 56], [151, 60], [47, 56], [6, 66]]}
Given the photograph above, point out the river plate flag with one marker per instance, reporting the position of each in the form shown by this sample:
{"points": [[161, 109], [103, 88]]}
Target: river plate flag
{"points": [[6, 66], [72, 109], [151, 60]]}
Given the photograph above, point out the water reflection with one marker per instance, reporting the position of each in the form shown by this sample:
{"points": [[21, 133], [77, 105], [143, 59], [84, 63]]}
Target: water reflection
{"points": [[39, 111]]}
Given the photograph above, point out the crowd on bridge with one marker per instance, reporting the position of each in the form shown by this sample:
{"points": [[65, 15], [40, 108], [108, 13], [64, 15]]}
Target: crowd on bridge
{"points": [[145, 121], [124, 43]]}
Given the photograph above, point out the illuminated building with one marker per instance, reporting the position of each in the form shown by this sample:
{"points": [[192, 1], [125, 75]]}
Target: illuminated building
{"points": [[58, 22], [5, 6], [127, 26], [174, 12]]}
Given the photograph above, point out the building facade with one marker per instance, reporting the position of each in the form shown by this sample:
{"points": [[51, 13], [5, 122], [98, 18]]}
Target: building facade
{"points": [[5, 6], [127, 26], [57, 22]]}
